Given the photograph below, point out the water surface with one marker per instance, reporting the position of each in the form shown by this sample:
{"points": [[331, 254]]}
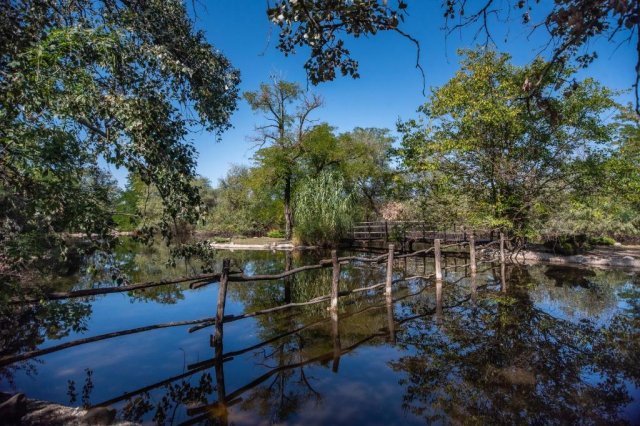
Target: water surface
{"points": [[526, 345]]}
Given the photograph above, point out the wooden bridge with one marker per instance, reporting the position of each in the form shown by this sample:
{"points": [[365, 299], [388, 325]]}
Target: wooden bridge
{"points": [[416, 231]]}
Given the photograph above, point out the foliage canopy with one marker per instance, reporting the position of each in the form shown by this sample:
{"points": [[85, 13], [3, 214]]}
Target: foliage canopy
{"points": [[92, 82]]}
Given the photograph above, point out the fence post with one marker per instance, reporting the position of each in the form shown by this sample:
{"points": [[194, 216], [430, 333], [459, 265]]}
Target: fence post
{"points": [[437, 254], [502, 247], [389, 270], [222, 299], [335, 282], [472, 252]]}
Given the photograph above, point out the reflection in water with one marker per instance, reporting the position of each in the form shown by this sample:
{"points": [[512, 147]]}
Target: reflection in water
{"points": [[510, 344], [25, 328], [511, 362]]}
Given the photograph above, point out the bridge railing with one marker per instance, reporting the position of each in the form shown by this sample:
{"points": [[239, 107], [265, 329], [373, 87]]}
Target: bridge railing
{"points": [[416, 231]]}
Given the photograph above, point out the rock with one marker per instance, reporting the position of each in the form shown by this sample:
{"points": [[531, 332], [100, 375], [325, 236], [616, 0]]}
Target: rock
{"points": [[13, 409], [99, 416]]}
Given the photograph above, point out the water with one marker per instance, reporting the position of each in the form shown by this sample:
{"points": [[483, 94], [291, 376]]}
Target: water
{"points": [[546, 344]]}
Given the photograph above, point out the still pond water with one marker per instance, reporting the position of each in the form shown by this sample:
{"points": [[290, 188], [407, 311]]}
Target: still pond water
{"points": [[537, 345]]}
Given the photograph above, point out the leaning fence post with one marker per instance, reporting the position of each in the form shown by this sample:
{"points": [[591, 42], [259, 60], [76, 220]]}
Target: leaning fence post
{"points": [[502, 247], [472, 252], [222, 298], [437, 254], [389, 271], [335, 282]]}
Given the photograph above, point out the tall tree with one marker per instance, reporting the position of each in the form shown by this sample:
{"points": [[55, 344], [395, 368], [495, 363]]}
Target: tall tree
{"points": [[287, 110], [485, 135]]}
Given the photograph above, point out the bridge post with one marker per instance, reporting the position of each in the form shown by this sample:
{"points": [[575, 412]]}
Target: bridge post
{"points": [[389, 281], [222, 298], [437, 255], [472, 252], [386, 232], [335, 281], [502, 247]]}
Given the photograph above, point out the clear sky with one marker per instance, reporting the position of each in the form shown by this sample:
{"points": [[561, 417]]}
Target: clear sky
{"points": [[390, 87]]}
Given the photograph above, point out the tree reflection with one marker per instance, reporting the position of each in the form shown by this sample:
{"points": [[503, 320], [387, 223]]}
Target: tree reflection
{"points": [[507, 361], [26, 327], [171, 404], [288, 390]]}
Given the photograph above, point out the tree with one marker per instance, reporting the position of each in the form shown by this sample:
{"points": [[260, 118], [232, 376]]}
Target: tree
{"points": [[119, 81], [571, 25], [283, 134], [318, 25], [512, 152], [245, 204], [361, 157], [367, 167], [605, 201]]}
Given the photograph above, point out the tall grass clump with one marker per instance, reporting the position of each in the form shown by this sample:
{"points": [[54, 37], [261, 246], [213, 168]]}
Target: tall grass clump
{"points": [[323, 210]]}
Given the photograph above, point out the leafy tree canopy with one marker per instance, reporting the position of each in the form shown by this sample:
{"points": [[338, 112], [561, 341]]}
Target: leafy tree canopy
{"points": [[88, 82], [323, 26], [487, 135]]}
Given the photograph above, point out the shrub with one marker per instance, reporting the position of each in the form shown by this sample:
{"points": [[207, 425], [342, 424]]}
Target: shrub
{"points": [[276, 233], [323, 210], [602, 241]]}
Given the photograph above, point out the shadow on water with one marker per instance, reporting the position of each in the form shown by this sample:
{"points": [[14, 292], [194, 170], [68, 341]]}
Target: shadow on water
{"points": [[537, 344]]}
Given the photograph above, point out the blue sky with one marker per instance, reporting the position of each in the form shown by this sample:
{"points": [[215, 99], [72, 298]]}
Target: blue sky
{"points": [[389, 88]]}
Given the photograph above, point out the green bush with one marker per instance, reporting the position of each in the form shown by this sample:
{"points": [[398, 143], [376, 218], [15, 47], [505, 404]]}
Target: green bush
{"points": [[276, 233], [602, 241]]}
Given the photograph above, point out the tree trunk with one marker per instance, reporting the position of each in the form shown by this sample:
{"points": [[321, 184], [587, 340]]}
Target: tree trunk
{"points": [[288, 213]]}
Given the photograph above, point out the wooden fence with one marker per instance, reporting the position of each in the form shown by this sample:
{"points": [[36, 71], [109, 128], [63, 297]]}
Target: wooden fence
{"points": [[225, 277]]}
